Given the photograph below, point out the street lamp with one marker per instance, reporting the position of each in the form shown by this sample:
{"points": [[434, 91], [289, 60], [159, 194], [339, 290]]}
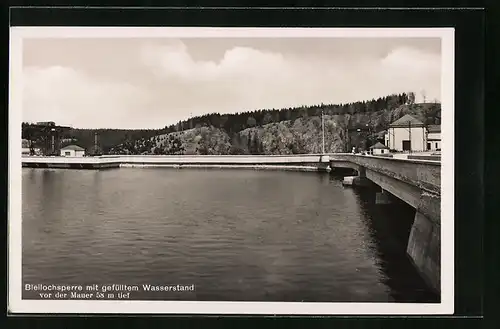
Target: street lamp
{"points": [[323, 129], [53, 148], [368, 138]]}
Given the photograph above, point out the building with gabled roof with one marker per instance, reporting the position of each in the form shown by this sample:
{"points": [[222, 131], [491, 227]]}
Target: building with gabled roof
{"points": [[407, 121], [379, 148], [72, 151], [408, 134]]}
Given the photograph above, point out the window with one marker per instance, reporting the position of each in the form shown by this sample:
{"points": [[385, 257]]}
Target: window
{"points": [[437, 145], [381, 151], [428, 146], [67, 153]]}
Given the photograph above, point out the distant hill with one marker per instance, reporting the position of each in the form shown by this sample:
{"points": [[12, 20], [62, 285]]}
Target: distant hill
{"points": [[272, 131], [293, 136]]}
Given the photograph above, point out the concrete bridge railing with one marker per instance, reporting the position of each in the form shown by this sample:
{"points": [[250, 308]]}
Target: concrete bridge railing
{"points": [[422, 173]]}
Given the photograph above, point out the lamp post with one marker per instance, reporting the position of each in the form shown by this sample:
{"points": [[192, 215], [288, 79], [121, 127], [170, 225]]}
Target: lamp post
{"points": [[97, 149], [347, 144], [358, 146], [409, 133], [53, 146], [323, 129], [368, 137]]}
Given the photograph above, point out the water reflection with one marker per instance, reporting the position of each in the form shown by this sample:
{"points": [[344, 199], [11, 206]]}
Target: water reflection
{"points": [[390, 227]]}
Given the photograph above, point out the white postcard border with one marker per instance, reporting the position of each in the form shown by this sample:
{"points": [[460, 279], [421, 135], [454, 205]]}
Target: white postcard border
{"points": [[17, 305]]}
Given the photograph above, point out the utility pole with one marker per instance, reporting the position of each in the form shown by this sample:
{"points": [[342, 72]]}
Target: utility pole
{"points": [[53, 137], [409, 133], [97, 150], [95, 143], [389, 138], [323, 128], [347, 139], [32, 149], [369, 137], [348, 143]]}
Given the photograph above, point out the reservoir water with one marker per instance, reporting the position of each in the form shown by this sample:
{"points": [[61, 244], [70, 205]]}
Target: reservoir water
{"points": [[236, 235]]}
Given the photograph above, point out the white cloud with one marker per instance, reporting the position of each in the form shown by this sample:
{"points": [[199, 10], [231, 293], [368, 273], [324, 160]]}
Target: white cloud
{"points": [[416, 70], [70, 97], [406, 58], [166, 84], [266, 79], [174, 61]]}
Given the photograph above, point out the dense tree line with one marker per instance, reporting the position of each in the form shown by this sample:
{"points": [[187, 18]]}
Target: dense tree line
{"points": [[236, 122], [107, 138], [143, 141]]}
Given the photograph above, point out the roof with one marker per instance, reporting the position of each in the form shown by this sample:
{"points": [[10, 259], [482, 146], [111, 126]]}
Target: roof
{"points": [[73, 147], [434, 128], [407, 120], [378, 145]]}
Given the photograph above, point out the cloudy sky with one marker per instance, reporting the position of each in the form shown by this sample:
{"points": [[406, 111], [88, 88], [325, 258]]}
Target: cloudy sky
{"points": [[151, 83]]}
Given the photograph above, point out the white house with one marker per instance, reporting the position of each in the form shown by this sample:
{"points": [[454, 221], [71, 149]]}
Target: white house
{"points": [[411, 134], [406, 134], [379, 148], [72, 151], [434, 138]]}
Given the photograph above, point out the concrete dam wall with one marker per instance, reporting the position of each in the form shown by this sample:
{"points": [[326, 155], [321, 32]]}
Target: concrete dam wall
{"points": [[313, 162]]}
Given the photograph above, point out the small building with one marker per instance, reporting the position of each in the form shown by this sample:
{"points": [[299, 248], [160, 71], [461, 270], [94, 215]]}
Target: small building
{"points": [[434, 138], [72, 151], [406, 134], [379, 148]]}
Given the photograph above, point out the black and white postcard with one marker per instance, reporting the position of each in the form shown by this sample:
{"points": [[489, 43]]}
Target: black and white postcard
{"points": [[197, 170]]}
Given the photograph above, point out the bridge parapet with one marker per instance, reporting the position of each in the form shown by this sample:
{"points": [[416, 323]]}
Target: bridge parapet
{"points": [[421, 173]]}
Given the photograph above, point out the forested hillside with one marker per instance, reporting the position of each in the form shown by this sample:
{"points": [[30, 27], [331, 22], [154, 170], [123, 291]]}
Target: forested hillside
{"points": [[285, 131], [272, 131]]}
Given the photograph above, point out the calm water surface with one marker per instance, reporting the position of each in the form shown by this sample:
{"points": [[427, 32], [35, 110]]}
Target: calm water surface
{"points": [[237, 235]]}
